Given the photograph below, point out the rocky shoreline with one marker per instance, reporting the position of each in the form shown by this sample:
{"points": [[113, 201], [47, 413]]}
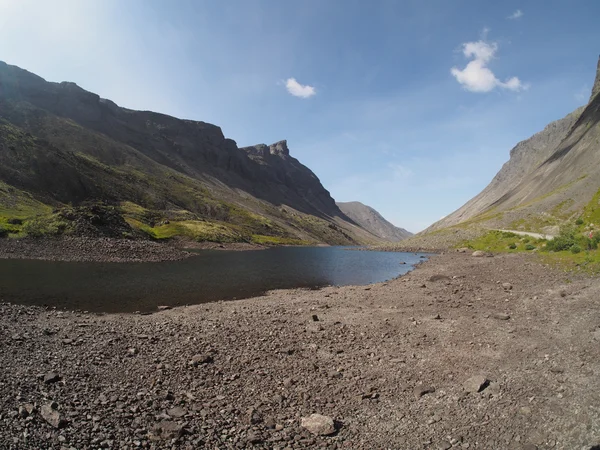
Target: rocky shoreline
{"points": [[104, 249], [463, 352]]}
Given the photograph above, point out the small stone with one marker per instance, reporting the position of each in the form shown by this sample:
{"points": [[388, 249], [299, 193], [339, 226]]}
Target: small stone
{"points": [[507, 286], [478, 254], [200, 359], [177, 412], [132, 351], [254, 437], [476, 384], [500, 316], [51, 377], [167, 429], [67, 341], [52, 416], [163, 307], [420, 391], [315, 318], [444, 445], [318, 424]]}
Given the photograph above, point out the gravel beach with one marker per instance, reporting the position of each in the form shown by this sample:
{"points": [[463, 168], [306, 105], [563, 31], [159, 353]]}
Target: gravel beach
{"points": [[469, 353]]}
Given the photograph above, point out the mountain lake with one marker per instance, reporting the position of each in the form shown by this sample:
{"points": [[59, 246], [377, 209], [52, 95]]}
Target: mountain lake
{"points": [[210, 275]]}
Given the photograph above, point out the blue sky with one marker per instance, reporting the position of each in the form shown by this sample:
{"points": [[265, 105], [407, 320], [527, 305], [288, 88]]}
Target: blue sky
{"points": [[408, 106]]}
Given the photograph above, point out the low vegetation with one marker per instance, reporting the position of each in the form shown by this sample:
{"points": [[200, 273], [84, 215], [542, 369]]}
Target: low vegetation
{"points": [[576, 247]]}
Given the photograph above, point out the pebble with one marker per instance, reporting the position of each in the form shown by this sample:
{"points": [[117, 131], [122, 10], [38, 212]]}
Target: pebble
{"points": [[476, 384], [500, 316], [52, 416], [51, 377], [420, 391], [318, 424]]}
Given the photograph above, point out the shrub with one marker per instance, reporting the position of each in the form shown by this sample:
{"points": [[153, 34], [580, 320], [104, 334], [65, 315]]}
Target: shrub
{"points": [[564, 241], [530, 247], [575, 248], [44, 226], [3, 232], [512, 246], [579, 221]]}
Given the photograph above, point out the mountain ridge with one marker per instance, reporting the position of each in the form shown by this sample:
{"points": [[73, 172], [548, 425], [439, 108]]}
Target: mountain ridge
{"points": [[64, 145], [548, 180], [371, 220]]}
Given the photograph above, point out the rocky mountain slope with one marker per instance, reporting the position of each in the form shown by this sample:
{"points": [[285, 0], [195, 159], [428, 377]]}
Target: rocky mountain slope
{"points": [[550, 178], [63, 149], [372, 221]]}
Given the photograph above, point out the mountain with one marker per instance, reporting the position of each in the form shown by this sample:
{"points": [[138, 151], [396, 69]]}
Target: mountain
{"points": [[69, 158], [372, 221], [550, 178]]}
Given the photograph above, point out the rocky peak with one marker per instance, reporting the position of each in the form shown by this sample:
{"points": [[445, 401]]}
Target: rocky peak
{"points": [[596, 88], [279, 148]]}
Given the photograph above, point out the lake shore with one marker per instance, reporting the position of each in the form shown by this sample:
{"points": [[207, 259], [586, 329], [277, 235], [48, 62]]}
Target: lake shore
{"points": [[462, 352], [102, 249]]}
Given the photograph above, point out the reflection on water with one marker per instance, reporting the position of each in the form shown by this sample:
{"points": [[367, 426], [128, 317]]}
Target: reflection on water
{"points": [[212, 275]]}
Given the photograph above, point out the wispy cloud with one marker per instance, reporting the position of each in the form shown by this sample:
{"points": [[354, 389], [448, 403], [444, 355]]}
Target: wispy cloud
{"points": [[477, 76], [299, 90], [583, 94], [516, 15]]}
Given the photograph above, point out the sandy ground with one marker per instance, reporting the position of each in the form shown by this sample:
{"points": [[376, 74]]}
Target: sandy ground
{"points": [[463, 352]]}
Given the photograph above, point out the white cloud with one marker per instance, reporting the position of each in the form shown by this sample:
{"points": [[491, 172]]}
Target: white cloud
{"points": [[477, 76], [299, 90], [516, 15]]}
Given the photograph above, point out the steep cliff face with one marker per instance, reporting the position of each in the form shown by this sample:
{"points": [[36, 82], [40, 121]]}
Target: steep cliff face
{"points": [[549, 177], [63, 144], [524, 158], [371, 220], [596, 87]]}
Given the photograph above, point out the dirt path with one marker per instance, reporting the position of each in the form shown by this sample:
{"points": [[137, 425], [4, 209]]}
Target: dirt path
{"points": [[392, 364], [527, 233]]}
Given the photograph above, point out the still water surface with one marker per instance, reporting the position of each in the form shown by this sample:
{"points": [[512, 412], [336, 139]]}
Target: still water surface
{"points": [[209, 276]]}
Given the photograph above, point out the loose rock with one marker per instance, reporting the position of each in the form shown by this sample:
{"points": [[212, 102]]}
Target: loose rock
{"points": [[476, 384], [318, 424]]}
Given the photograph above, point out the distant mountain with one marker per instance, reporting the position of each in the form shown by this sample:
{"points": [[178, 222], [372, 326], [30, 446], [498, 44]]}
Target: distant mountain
{"points": [[372, 221], [63, 149], [550, 178]]}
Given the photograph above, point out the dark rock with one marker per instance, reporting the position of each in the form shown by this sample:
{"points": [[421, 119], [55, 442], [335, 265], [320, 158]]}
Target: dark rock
{"points": [[51, 377]]}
